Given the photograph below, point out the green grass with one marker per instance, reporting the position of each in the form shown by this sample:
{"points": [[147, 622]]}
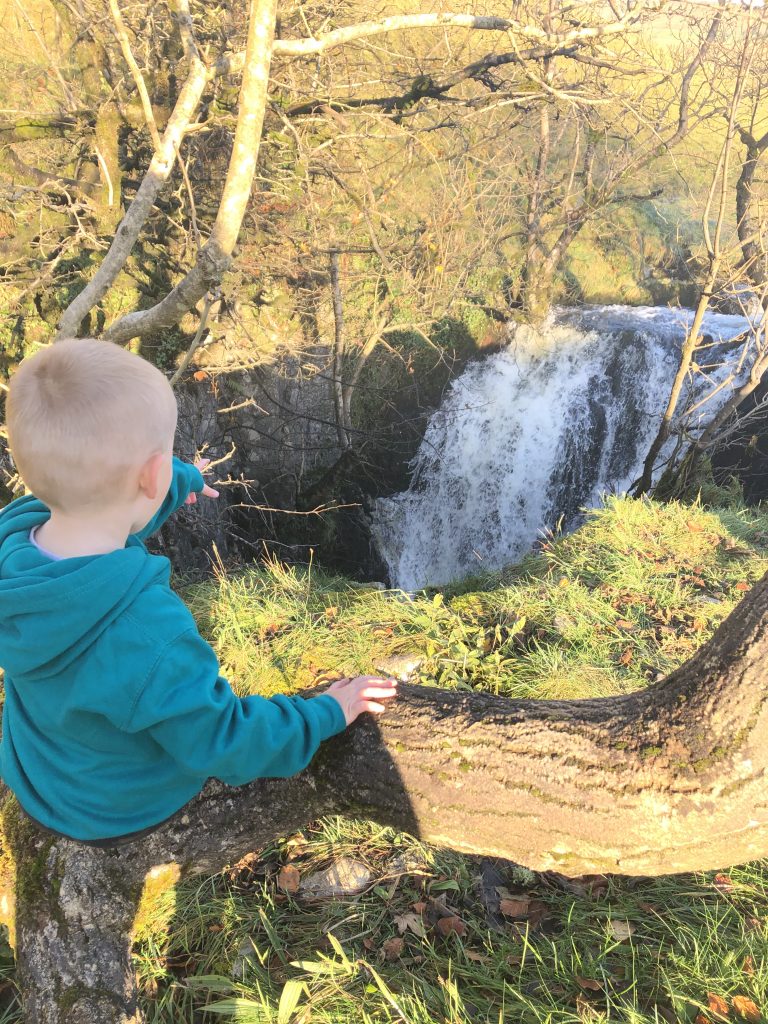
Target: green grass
{"points": [[605, 610]]}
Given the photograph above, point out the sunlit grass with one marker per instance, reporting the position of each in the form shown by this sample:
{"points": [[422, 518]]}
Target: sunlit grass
{"points": [[651, 580], [605, 610]]}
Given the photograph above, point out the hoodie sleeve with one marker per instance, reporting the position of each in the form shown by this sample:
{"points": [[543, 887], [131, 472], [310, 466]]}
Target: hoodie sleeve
{"points": [[186, 478], [193, 714]]}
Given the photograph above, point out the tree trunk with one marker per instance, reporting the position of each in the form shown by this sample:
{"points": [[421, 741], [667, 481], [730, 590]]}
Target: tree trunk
{"points": [[750, 227], [666, 780]]}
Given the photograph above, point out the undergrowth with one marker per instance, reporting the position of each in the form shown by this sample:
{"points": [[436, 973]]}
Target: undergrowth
{"points": [[605, 610]]}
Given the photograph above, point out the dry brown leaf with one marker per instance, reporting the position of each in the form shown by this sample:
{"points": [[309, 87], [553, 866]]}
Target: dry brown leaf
{"points": [[449, 925], [624, 624], [626, 656], [723, 883], [215, 927], [369, 943], [748, 967], [747, 1009], [620, 930], [393, 948], [419, 907], [410, 922], [591, 984], [695, 527], [743, 587], [289, 878], [702, 1018], [717, 1004], [516, 907], [477, 958]]}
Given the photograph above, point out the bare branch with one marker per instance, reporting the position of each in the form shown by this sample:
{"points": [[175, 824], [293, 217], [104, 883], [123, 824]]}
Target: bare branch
{"points": [[122, 37]]}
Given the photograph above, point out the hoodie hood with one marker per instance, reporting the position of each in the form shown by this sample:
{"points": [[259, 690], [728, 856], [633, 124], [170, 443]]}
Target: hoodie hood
{"points": [[52, 611]]}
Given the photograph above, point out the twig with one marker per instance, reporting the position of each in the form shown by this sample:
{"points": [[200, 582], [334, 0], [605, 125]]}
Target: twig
{"points": [[125, 45], [209, 300]]}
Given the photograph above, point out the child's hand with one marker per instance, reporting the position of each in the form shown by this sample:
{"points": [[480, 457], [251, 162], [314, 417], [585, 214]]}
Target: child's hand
{"points": [[354, 695], [209, 492]]}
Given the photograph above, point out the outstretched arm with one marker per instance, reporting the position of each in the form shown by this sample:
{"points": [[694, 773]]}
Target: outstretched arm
{"points": [[186, 483], [191, 711]]}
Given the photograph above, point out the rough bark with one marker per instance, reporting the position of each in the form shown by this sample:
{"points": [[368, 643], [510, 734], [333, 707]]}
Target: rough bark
{"points": [[750, 228], [139, 210], [667, 780], [215, 256]]}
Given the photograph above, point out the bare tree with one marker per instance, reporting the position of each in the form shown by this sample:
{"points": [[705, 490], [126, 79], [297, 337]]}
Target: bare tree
{"points": [[735, 265]]}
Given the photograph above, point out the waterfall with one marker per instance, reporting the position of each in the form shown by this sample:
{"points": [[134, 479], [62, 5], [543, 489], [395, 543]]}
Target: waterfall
{"points": [[529, 436]]}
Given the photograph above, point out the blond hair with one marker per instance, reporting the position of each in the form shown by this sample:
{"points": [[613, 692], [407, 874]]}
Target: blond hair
{"points": [[82, 414]]}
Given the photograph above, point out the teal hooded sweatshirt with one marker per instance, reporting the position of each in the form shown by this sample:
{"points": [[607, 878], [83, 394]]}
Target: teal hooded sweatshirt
{"points": [[115, 714]]}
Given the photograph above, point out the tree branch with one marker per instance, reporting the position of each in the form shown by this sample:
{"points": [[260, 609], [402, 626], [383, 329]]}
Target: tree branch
{"points": [[215, 256], [139, 210], [668, 780]]}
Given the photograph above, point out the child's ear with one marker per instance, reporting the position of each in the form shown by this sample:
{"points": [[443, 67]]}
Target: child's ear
{"points": [[149, 476]]}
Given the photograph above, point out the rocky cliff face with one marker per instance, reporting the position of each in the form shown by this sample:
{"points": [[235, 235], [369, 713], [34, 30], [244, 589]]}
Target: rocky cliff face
{"points": [[273, 426]]}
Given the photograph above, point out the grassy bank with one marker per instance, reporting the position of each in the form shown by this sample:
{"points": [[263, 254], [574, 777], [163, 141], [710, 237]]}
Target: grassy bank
{"points": [[606, 610]]}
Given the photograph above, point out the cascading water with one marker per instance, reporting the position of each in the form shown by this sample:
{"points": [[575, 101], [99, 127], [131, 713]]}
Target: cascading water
{"points": [[537, 432]]}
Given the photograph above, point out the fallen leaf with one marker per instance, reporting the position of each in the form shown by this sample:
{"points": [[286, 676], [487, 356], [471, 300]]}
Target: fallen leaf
{"points": [[624, 624], [742, 587], [649, 908], [449, 925], [331, 612], [695, 527], [393, 948], [200, 375], [702, 1018], [591, 984], [620, 930], [517, 907], [716, 1004], [289, 878], [723, 883], [215, 927], [419, 907], [748, 967], [369, 943], [477, 958], [410, 922], [746, 1008], [626, 656]]}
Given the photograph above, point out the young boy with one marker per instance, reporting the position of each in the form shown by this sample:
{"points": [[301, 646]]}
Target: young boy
{"points": [[115, 714]]}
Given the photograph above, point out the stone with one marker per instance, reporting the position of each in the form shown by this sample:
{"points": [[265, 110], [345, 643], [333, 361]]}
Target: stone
{"points": [[345, 877], [402, 667]]}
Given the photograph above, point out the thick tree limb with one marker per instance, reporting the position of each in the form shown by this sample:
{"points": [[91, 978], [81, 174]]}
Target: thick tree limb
{"points": [[139, 210], [667, 780], [215, 256]]}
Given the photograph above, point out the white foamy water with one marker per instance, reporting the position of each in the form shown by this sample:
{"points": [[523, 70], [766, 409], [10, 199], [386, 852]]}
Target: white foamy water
{"points": [[537, 432]]}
